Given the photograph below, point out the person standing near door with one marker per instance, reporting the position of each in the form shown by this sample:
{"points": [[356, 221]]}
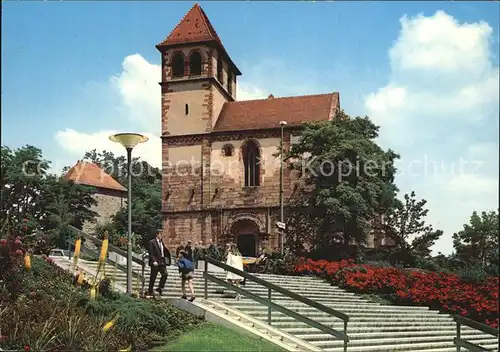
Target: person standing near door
{"points": [[196, 254], [159, 259], [235, 260]]}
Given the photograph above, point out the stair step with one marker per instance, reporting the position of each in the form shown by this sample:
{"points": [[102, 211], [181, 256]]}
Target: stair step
{"points": [[350, 310], [338, 324], [392, 334], [400, 341]]}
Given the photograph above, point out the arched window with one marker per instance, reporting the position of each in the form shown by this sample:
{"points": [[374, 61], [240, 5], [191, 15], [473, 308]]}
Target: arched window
{"points": [[251, 161], [186, 108], [195, 63], [178, 65]]}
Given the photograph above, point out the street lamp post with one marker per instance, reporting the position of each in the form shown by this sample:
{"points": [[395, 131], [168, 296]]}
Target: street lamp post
{"points": [[282, 213], [129, 141]]}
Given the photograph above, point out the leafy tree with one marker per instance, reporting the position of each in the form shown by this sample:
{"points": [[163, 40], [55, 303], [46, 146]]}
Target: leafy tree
{"points": [[407, 222], [477, 243], [66, 203], [33, 200], [146, 193], [348, 181], [22, 176]]}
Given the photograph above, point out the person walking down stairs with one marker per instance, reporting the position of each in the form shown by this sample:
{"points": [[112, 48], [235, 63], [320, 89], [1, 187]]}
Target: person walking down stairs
{"points": [[186, 270], [159, 259], [235, 260]]}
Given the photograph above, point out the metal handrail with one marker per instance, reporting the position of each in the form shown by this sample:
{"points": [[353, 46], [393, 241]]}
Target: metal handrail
{"points": [[459, 342], [280, 289], [271, 305]]}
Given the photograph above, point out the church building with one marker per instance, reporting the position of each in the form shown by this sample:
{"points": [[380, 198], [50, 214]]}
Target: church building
{"points": [[221, 178]]}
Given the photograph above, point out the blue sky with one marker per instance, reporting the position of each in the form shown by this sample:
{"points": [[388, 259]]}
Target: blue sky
{"points": [[426, 72]]}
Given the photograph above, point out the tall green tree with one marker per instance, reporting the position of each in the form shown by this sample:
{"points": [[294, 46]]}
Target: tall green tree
{"points": [[146, 193], [349, 181], [22, 175], [405, 224], [477, 243], [32, 200], [66, 203]]}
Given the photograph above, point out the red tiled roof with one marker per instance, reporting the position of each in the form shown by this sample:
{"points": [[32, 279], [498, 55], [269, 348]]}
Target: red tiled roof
{"points": [[194, 27], [267, 113], [91, 174]]}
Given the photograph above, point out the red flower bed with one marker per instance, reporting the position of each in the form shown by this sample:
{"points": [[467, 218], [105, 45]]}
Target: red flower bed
{"points": [[446, 292]]}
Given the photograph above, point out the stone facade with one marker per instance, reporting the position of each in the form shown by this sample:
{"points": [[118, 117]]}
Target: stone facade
{"points": [[209, 200], [109, 201]]}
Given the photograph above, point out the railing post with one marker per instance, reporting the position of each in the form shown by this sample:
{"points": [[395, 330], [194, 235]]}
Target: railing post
{"points": [[345, 337], [69, 246], [269, 308], [458, 335], [206, 278], [143, 273]]}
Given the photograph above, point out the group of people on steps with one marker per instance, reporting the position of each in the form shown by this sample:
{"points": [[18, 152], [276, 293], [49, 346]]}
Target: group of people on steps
{"points": [[187, 260], [199, 251]]}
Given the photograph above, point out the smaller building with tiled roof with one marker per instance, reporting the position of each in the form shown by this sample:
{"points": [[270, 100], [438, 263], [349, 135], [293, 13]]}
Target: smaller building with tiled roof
{"points": [[90, 174], [109, 193], [221, 174]]}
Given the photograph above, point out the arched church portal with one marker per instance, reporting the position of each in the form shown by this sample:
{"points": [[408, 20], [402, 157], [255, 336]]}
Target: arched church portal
{"points": [[246, 236]]}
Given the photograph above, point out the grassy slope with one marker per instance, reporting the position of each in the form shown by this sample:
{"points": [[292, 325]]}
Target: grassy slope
{"points": [[210, 337]]}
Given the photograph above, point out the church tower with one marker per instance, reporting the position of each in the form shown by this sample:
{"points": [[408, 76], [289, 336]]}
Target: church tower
{"points": [[198, 76], [221, 180]]}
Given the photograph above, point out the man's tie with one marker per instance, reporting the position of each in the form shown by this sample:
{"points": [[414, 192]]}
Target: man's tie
{"points": [[161, 247]]}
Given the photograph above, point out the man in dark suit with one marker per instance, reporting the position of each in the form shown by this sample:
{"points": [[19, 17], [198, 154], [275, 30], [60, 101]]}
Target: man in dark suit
{"points": [[159, 259]]}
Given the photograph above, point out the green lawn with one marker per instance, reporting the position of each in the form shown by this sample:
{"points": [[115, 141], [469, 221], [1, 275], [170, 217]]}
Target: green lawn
{"points": [[210, 337]]}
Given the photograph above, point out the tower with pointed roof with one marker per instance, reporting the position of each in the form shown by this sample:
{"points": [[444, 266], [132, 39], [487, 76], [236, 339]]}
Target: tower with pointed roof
{"points": [[221, 175], [198, 76]]}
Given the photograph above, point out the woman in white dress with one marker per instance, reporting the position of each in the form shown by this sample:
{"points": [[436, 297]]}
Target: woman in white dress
{"points": [[235, 260]]}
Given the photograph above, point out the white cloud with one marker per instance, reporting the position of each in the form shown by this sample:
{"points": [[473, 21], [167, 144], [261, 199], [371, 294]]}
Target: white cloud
{"points": [[247, 91], [438, 110], [441, 43], [140, 92], [78, 143]]}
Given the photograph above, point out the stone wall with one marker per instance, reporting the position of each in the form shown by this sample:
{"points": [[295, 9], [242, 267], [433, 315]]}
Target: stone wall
{"points": [[201, 226], [108, 204], [201, 200]]}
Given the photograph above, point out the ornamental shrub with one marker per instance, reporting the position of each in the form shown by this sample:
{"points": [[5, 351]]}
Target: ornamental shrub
{"points": [[450, 293]]}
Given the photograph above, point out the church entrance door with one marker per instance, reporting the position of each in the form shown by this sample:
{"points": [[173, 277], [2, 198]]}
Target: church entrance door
{"points": [[247, 245], [245, 234]]}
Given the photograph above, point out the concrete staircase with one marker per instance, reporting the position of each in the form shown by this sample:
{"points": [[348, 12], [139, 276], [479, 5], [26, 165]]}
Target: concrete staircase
{"points": [[372, 327]]}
